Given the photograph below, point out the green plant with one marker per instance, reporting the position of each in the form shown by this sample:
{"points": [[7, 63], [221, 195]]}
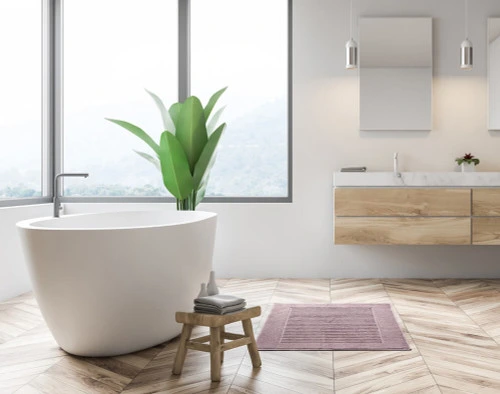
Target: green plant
{"points": [[467, 158], [187, 148]]}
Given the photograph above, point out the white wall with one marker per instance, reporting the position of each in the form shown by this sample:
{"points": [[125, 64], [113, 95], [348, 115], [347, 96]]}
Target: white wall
{"points": [[494, 83], [295, 240]]}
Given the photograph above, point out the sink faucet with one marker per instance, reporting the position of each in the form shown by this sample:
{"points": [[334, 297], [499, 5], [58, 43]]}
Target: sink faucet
{"points": [[57, 201], [396, 169]]}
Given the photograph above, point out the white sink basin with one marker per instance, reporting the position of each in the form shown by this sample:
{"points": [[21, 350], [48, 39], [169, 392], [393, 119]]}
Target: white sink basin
{"points": [[416, 179]]}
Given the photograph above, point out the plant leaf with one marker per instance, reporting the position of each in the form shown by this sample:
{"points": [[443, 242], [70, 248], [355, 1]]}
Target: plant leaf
{"points": [[213, 122], [177, 177], [168, 123], [153, 160], [213, 100], [137, 131], [200, 193], [205, 162], [174, 111], [191, 130]]}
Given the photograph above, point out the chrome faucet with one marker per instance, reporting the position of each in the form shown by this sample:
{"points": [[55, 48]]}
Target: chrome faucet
{"points": [[396, 166], [57, 201]]}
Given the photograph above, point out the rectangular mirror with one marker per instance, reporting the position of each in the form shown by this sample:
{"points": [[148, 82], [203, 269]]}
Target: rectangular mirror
{"points": [[494, 73], [395, 72]]}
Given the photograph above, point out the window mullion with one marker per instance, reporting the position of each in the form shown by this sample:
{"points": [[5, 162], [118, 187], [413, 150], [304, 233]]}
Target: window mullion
{"points": [[57, 99], [52, 93]]}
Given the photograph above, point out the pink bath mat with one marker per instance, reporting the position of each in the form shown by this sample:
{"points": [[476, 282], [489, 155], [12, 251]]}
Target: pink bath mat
{"points": [[331, 327]]}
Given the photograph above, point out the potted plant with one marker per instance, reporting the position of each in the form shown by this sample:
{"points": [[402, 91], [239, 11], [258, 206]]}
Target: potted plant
{"points": [[467, 162], [186, 151]]}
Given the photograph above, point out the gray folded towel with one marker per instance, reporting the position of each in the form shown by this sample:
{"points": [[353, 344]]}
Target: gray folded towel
{"points": [[220, 300], [353, 169], [213, 310]]}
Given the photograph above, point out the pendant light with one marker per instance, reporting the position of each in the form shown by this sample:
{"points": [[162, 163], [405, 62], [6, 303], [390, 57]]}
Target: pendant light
{"points": [[351, 50], [466, 59]]}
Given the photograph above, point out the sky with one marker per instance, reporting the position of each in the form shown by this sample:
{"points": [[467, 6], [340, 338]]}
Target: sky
{"points": [[21, 87]]}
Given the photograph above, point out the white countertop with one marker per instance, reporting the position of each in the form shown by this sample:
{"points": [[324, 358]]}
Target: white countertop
{"points": [[416, 179]]}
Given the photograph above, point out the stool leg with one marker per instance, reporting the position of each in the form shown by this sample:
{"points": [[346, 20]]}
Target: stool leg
{"points": [[215, 354], [182, 350], [252, 346], [222, 331]]}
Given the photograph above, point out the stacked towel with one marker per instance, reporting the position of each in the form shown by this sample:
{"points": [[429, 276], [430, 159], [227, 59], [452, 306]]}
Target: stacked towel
{"points": [[219, 304]]}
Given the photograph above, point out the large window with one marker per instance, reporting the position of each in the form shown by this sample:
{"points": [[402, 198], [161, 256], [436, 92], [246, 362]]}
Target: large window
{"points": [[67, 65], [113, 50], [21, 99], [243, 44]]}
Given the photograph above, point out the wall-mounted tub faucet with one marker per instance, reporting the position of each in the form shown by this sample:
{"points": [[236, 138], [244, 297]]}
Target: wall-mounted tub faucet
{"points": [[396, 166], [57, 201]]}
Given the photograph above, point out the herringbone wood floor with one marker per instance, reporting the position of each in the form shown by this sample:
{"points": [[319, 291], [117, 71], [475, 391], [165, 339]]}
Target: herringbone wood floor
{"points": [[452, 326]]}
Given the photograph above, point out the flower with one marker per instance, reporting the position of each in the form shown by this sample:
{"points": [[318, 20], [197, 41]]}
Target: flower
{"points": [[467, 158]]}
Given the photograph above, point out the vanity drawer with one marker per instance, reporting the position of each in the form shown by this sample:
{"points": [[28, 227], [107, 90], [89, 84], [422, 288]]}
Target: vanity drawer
{"points": [[486, 231], [486, 202], [359, 202], [402, 231]]}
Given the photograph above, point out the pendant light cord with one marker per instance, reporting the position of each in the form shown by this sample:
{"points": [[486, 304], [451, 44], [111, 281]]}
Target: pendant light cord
{"points": [[351, 19], [466, 19]]}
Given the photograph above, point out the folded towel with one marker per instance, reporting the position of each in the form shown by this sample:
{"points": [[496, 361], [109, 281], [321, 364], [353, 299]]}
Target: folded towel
{"points": [[353, 169], [219, 313], [217, 309], [219, 300], [213, 310]]}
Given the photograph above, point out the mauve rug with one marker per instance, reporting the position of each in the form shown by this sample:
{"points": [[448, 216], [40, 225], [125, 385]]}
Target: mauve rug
{"points": [[331, 327]]}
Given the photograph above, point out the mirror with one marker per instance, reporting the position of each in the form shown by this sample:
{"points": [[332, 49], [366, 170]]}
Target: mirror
{"points": [[395, 73], [494, 73]]}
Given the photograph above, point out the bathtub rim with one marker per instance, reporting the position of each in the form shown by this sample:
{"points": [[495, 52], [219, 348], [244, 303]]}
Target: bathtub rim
{"points": [[30, 224]]}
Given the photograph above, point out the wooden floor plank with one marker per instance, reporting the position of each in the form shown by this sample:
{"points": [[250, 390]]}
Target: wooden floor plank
{"points": [[451, 325], [45, 384]]}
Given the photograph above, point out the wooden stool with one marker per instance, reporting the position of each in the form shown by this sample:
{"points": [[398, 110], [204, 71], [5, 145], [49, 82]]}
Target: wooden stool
{"points": [[217, 347]]}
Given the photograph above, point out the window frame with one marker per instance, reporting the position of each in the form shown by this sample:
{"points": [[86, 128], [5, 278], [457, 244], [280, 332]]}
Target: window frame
{"points": [[46, 157], [53, 127]]}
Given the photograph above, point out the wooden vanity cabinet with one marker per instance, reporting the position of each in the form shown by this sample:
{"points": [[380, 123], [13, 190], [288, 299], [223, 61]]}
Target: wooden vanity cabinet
{"points": [[486, 216], [417, 216], [402, 231], [402, 216], [486, 202], [401, 202]]}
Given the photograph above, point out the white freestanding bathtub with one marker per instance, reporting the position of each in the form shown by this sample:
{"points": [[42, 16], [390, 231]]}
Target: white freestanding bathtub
{"points": [[110, 283]]}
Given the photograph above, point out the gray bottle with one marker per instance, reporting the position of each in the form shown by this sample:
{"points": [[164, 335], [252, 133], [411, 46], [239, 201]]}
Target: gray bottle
{"points": [[212, 288], [203, 290]]}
